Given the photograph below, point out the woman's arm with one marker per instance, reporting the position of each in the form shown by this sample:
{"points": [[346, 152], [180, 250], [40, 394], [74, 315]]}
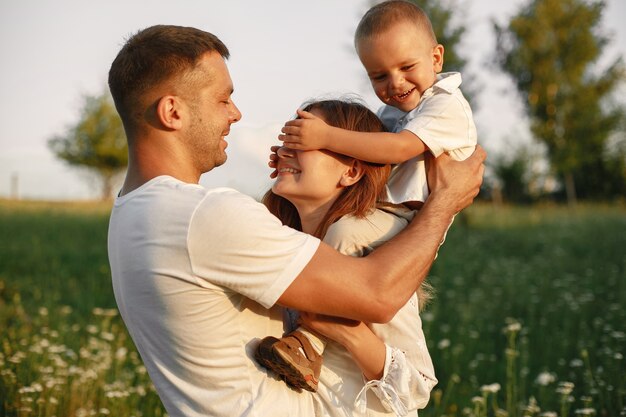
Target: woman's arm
{"points": [[367, 350], [398, 379]]}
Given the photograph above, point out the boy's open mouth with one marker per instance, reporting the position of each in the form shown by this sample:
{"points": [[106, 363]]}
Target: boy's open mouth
{"points": [[404, 95]]}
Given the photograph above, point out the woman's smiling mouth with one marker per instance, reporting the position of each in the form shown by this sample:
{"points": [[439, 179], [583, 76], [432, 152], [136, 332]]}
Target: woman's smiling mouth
{"points": [[288, 170]]}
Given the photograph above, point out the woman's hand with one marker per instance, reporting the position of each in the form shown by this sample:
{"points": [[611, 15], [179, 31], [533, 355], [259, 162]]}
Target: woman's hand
{"points": [[367, 350], [336, 328]]}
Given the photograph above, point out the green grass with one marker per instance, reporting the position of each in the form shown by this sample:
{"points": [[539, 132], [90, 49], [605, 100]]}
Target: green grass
{"points": [[528, 298], [560, 274], [65, 351]]}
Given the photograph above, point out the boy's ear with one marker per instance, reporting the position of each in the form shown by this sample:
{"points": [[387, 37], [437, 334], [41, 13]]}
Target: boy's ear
{"points": [[438, 58], [353, 174], [168, 112]]}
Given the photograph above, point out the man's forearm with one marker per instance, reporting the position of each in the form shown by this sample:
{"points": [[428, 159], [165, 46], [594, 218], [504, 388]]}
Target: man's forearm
{"points": [[374, 288], [410, 254], [403, 262]]}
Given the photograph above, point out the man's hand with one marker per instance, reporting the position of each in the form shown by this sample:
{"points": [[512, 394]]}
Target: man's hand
{"points": [[307, 133], [457, 181]]}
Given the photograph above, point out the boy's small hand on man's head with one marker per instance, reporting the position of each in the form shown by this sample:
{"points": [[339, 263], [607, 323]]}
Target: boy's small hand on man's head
{"points": [[307, 133]]}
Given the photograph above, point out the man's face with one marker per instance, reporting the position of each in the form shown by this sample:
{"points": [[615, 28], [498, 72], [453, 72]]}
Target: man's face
{"points": [[212, 111], [401, 64]]}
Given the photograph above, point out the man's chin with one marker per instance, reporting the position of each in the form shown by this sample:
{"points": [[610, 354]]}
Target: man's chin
{"points": [[221, 161]]}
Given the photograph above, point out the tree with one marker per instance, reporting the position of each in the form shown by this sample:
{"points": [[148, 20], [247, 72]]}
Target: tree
{"points": [[96, 142], [550, 49], [511, 170]]}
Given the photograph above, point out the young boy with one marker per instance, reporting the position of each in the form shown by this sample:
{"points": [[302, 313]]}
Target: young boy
{"points": [[424, 111], [427, 112]]}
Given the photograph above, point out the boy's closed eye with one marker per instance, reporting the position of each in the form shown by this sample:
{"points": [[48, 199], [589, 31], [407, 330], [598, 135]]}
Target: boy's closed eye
{"points": [[378, 77]]}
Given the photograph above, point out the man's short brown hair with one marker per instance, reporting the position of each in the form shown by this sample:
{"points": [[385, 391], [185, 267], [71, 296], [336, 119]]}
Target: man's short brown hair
{"points": [[152, 56]]}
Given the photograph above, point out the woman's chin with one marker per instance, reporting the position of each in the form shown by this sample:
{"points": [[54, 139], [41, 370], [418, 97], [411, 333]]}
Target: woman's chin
{"points": [[284, 194], [279, 190]]}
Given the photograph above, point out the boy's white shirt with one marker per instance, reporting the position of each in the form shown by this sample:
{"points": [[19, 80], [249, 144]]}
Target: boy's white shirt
{"points": [[443, 121]]}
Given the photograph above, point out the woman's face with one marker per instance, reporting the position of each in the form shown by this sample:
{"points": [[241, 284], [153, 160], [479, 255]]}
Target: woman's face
{"points": [[310, 178]]}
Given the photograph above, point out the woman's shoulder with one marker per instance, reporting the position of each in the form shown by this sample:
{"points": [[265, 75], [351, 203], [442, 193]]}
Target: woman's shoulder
{"points": [[353, 235], [397, 210]]}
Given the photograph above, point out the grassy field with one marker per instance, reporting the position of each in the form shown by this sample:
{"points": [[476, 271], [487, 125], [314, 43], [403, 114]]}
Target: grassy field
{"points": [[529, 318]]}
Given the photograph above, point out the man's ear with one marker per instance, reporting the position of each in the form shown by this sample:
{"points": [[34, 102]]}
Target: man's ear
{"points": [[353, 174], [438, 58], [168, 112]]}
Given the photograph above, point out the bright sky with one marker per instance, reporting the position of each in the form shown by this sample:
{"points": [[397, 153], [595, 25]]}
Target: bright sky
{"points": [[283, 52]]}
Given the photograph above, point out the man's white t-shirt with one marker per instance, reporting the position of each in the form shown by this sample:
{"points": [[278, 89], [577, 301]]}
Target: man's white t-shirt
{"points": [[443, 121], [196, 274]]}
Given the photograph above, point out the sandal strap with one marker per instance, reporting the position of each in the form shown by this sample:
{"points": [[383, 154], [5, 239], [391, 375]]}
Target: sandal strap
{"points": [[303, 341]]}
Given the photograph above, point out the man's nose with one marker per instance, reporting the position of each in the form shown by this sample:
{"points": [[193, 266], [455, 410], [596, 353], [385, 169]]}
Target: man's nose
{"points": [[235, 114]]}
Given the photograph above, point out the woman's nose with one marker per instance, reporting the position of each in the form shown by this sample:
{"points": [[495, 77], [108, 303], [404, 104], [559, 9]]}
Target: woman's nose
{"points": [[284, 152]]}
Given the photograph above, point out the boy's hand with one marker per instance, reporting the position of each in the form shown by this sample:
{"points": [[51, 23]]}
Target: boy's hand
{"points": [[273, 161], [307, 133]]}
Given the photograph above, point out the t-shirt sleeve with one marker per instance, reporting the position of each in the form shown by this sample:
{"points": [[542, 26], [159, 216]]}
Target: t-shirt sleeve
{"points": [[445, 124], [236, 243]]}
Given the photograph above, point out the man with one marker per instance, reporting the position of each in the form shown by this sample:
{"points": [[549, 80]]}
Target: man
{"points": [[197, 273]]}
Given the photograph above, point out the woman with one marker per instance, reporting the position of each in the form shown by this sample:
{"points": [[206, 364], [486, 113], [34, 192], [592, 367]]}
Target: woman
{"points": [[336, 198]]}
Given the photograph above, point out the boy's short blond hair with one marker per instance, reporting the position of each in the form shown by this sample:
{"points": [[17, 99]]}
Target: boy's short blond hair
{"points": [[384, 15]]}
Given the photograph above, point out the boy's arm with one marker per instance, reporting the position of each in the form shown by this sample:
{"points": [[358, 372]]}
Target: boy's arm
{"points": [[310, 132]]}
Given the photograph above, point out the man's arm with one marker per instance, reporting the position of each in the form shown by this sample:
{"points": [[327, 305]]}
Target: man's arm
{"points": [[375, 287]]}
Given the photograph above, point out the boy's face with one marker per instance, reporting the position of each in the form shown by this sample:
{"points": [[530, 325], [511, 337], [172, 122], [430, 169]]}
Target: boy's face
{"points": [[401, 64]]}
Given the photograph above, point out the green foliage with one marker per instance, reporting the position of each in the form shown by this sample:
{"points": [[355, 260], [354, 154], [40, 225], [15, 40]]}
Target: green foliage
{"points": [[559, 273], [65, 351], [550, 49], [96, 142], [512, 170]]}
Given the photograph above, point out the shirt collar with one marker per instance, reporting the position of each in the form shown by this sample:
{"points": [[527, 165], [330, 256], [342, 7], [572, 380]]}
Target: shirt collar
{"points": [[448, 81]]}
